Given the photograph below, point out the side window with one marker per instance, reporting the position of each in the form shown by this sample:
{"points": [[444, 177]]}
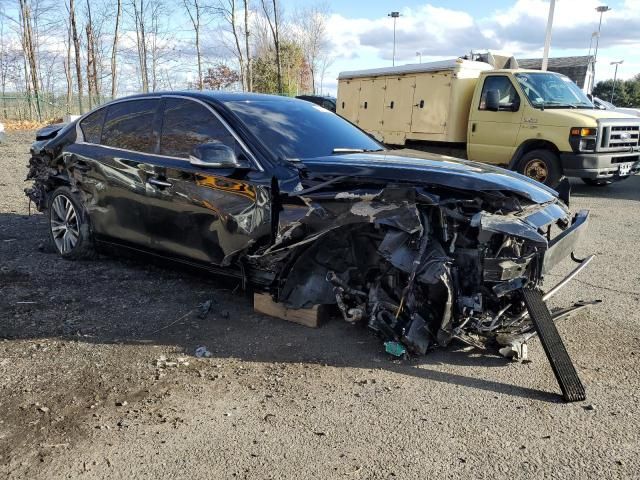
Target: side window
{"points": [[91, 126], [129, 125], [186, 124], [508, 94]]}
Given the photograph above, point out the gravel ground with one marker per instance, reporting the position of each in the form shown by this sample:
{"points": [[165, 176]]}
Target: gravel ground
{"points": [[99, 377]]}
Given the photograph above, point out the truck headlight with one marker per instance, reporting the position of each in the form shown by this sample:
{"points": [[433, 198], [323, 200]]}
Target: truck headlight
{"points": [[583, 139]]}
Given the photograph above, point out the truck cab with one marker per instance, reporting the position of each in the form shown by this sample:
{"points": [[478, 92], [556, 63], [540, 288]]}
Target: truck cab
{"points": [[542, 125]]}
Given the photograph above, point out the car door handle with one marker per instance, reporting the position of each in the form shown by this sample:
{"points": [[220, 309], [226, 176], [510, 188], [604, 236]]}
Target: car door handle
{"points": [[473, 128], [159, 183]]}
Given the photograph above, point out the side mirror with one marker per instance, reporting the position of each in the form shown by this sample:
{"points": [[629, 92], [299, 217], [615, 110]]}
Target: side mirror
{"points": [[215, 155], [492, 101]]}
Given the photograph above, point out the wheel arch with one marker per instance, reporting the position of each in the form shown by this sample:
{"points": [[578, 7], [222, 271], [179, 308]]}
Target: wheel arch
{"points": [[530, 145], [302, 281], [54, 182]]}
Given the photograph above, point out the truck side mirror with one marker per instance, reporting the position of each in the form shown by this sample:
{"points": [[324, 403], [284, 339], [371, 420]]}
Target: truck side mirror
{"points": [[515, 106], [492, 101]]}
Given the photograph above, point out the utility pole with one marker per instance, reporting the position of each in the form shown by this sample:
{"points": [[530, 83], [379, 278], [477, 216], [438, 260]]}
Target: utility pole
{"points": [[615, 75], [547, 36], [395, 16]]}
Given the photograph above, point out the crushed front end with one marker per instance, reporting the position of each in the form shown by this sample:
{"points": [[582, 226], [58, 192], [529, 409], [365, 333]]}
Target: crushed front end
{"points": [[423, 266]]}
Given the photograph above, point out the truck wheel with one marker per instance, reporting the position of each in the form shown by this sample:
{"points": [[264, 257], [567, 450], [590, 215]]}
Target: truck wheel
{"points": [[593, 182], [69, 230], [541, 165]]}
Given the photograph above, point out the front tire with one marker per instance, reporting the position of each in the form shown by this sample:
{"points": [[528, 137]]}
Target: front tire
{"points": [[597, 182], [69, 231], [541, 165]]}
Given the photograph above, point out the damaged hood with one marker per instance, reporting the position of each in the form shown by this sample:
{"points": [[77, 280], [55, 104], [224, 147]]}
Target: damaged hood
{"points": [[427, 169]]}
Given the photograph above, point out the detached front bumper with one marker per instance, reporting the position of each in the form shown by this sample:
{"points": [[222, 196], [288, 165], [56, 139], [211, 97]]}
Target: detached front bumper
{"points": [[565, 243], [613, 166]]}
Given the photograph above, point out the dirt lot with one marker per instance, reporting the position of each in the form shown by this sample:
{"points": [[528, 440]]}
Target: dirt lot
{"points": [[99, 378]]}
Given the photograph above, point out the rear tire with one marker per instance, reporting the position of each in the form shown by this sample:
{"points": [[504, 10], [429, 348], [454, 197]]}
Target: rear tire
{"points": [[597, 182], [542, 166], [69, 231]]}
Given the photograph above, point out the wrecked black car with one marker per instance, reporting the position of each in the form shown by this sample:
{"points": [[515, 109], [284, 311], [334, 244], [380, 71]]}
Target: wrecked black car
{"points": [[298, 202]]}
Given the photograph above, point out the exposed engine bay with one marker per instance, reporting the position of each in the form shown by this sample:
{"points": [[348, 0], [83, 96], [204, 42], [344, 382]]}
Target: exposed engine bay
{"points": [[425, 268]]}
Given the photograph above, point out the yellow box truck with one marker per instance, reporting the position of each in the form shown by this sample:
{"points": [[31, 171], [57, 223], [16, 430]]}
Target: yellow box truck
{"points": [[538, 123]]}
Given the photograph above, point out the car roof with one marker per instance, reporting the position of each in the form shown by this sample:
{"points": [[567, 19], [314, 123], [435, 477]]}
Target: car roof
{"points": [[216, 95]]}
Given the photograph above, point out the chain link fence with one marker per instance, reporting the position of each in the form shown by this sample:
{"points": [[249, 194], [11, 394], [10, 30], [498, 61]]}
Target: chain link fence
{"points": [[45, 107]]}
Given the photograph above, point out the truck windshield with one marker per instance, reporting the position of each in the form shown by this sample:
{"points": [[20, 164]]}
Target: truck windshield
{"points": [[296, 129], [551, 90]]}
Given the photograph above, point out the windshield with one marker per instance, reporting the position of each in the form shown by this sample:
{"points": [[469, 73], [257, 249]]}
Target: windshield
{"points": [[295, 129], [549, 90]]}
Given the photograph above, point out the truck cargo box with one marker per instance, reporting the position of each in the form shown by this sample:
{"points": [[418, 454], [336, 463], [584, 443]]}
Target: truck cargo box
{"points": [[425, 101]]}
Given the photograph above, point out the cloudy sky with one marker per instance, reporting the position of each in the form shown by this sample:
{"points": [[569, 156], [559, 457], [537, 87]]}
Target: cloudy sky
{"points": [[361, 34]]}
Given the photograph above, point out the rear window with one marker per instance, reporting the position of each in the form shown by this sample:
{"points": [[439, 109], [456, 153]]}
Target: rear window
{"points": [[129, 125], [91, 126]]}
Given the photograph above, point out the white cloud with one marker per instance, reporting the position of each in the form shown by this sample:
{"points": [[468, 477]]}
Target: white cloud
{"points": [[439, 32]]}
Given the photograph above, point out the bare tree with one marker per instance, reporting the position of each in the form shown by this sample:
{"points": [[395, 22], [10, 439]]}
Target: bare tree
{"points": [[271, 13], [158, 47], [139, 14], [229, 12], [76, 46], [9, 63], [194, 10], [325, 61], [246, 46], [28, 46], [312, 25], [114, 51], [92, 69], [67, 70]]}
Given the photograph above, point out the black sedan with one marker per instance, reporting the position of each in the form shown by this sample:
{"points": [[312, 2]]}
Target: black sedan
{"points": [[298, 202]]}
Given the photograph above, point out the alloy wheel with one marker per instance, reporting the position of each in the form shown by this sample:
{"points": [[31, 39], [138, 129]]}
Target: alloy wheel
{"points": [[65, 228], [537, 170]]}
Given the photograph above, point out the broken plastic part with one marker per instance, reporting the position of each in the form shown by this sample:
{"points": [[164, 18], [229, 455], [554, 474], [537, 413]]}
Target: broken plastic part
{"points": [[396, 349]]}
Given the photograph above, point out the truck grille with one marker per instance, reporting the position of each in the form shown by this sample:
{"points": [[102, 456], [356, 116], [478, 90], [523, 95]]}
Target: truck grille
{"points": [[619, 137]]}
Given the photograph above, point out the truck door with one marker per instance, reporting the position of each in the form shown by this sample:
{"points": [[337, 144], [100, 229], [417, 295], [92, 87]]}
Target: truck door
{"points": [[431, 103], [491, 135], [371, 104], [348, 98], [398, 104]]}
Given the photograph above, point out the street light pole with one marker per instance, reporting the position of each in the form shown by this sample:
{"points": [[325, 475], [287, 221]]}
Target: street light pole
{"points": [[602, 9], [547, 36], [394, 15], [593, 35], [615, 75], [419, 54]]}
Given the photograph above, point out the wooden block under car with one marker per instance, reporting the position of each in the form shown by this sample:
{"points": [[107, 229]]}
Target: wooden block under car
{"points": [[309, 317]]}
